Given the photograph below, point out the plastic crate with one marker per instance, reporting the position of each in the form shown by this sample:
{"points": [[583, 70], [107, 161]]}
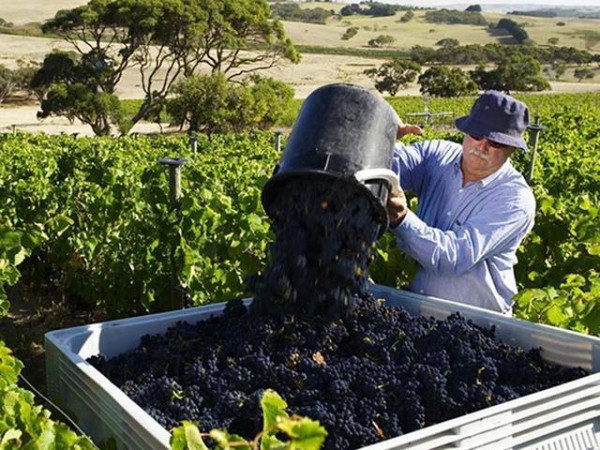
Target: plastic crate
{"points": [[565, 417]]}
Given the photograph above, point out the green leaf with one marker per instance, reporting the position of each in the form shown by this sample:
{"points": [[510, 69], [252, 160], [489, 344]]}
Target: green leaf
{"points": [[229, 441], [555, 316], [11, 435], [187, 437], [273, 408], [60, 224], [272, 443], [306, 434], [593, 249]]}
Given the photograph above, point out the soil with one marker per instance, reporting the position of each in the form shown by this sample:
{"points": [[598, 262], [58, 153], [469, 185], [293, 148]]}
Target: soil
{"points": [[36, 308]]}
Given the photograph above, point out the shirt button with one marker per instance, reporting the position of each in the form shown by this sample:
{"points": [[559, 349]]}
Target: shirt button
{"points": [[448, 213], [460, 191], [421, 291]]}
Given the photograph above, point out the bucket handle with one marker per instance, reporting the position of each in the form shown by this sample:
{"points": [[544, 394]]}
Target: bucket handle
{"points": [[379, 174]]}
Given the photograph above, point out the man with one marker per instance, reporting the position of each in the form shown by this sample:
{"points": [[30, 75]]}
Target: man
{"points": [[474, 208]]}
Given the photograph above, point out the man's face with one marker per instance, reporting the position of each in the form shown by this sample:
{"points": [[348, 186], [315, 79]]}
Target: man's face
{"points": [[482, 157]]}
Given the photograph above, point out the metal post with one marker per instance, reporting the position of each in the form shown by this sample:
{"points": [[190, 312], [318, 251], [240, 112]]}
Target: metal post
{"points": [[14, 129], [194, 143], [278, 141], [534, 133], [174, 164]]}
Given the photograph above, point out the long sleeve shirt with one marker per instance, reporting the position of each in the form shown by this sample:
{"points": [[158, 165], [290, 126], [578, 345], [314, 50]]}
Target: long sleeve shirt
{"points": [[464, 238]]}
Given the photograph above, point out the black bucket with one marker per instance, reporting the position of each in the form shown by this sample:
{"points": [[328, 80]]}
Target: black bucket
{"points": [[341, 131]]}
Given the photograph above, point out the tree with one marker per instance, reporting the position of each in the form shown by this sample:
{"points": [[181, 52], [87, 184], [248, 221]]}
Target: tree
{"points": [[407, 17], [553, 40], [212, 104], [442, 81], [519, 73], [57, 67], [75, 101], [559, 67], [473, 8], [7, 82], [584, 73], [448, 42], [394, 75], [517, 32], [381, 40], [14, 80], [350, 33], [168, 39]]}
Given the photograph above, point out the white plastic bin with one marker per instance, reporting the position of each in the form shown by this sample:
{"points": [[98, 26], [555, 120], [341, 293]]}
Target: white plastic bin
{"points": [[565, 417]]}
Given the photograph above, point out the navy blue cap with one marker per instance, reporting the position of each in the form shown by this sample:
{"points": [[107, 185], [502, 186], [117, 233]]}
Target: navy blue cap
{"points": [[498, 117]]}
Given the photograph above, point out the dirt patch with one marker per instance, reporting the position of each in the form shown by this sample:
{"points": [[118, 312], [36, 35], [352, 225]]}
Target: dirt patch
{"points": [[36, 308], [20, 13]]}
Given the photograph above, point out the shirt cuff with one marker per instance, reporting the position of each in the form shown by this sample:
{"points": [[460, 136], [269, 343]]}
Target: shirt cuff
{"points": [[411, 222]]}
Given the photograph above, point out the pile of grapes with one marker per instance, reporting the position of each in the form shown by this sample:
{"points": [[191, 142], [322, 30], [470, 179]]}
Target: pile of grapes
{"points": [[366, 371]]}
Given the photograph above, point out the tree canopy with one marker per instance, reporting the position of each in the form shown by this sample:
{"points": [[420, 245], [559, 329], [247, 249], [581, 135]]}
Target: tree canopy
{"points": [[169, 39], [394, 75]]}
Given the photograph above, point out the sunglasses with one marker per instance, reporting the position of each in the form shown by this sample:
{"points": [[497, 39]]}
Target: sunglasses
{"points": [[493, 144]]}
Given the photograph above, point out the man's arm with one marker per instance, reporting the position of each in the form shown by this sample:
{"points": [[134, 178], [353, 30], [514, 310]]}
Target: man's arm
{"points": [[498, 227]]}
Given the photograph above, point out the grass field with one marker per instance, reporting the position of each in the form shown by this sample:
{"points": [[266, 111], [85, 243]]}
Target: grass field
{"points": [[582, 34]]}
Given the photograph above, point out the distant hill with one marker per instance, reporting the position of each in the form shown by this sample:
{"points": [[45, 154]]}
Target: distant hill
{"points": [[579, 13]]}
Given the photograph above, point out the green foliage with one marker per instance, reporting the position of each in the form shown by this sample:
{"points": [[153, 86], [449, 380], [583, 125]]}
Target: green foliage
{"points": [[98, 216], [517, 32], [372, 9], [8, 82], [211, 104], [559, 67], [519, 74], [553, 40], [454, 17], [361, 52], [406, 17], [448, 42], [492, 53], [443, 81], [584, 73], [23, 424], [100, 110], [381, 40], [293, 12], [394, 75], [350, 33], [473, 8], [280, 431]]}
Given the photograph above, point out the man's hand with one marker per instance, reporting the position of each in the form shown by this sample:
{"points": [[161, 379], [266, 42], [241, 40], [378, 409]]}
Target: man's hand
{"points": [[397, 207], [404, 129]]}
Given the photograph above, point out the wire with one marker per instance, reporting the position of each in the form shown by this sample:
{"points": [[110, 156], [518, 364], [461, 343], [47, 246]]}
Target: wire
{"points": [[56, 408]]}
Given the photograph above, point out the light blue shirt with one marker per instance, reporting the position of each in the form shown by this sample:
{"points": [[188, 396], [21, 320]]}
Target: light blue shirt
{"points": [[464, 239]]}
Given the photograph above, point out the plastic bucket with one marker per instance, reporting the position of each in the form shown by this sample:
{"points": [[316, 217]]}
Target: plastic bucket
{"points": [[346, 133]]}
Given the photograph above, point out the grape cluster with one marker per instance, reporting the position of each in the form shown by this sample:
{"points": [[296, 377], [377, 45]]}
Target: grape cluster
{"points": [[368, 372]]}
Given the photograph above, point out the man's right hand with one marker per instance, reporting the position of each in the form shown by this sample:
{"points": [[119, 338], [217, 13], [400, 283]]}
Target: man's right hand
{"points": [[397, 207]]}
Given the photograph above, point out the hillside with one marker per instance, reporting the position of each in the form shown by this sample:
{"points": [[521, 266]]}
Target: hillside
{"points": [[582, 34]]}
